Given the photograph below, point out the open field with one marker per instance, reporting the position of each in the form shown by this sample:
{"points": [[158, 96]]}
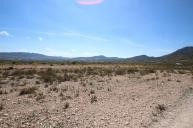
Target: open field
{"points": [[94, 95], [96, 63]]}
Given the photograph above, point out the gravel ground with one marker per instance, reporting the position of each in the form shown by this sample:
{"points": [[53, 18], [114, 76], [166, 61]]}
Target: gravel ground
{"points": [[122, 101]]}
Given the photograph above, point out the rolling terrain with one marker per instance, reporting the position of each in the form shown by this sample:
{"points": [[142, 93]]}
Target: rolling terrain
{"points": [[182, 55]]}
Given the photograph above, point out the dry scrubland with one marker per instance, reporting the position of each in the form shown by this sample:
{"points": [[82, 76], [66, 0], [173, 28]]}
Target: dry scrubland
{"points": [[90, 95]]}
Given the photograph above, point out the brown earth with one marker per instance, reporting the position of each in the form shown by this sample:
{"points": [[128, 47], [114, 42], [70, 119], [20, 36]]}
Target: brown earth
{"points": [[181, 116], [157, 100]]}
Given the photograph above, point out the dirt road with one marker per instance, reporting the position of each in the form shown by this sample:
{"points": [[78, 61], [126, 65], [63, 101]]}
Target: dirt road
{"points": [[180, 117]]}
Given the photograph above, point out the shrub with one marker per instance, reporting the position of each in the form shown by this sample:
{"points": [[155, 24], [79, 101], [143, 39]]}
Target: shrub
{"points": [[30, 72], [178, 81], [76, 93], [1, 106], [132, 70], [10, 68], [92, 91], [66, 105], [17, 73], [181, 72], [83, 84], [5, 74], [169, 80], [165, 74], [54, 88], [147, 71], [63, 98], [40, 96], [48, 76], [3, 92], [120, 71], [46, 86], [64, 89], [93, 99], [160, 108], [108, 71], [11, 90], [28, 90], [61, 94], [37, 82], [22, 83], [109, 89]]}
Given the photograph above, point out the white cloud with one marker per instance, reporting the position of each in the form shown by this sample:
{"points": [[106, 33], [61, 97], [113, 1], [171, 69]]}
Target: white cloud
{"points": [[40, 38], [28, 37], [88, 54], [132, 44], [4, 33], [73, 50], [23, 50], [53, 52], [67, 53], [75, 34]]}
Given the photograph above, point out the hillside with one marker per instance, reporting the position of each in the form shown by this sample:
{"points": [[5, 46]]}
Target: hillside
{"points": [[24, 56], [183, 54]]}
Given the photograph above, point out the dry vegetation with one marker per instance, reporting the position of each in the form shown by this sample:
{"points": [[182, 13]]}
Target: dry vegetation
{"points": [[89, 95]]}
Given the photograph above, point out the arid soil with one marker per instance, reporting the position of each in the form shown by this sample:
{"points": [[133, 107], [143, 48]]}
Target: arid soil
{"points": [[181, 116], [34, 99]]}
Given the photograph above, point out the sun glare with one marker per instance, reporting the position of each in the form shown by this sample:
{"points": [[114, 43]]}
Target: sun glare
{"points": [[89, 2]]}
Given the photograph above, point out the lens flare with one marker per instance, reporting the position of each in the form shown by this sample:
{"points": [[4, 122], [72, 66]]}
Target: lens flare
{"points": [[89, 2]]}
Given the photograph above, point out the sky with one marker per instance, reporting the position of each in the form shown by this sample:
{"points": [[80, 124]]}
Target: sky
{"points": [[74, 28]]}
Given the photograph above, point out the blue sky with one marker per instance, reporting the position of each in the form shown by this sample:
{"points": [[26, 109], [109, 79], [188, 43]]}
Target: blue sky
{"points": [[73, 28]]}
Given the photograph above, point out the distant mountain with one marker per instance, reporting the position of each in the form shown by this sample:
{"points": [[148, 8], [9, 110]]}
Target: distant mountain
{"points": [[97, 58], [184, 54], [23, 56], [141, 58], [181, 55], [27, 56]]}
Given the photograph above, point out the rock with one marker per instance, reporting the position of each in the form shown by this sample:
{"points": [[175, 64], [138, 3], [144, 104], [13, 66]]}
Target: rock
{"points": [[5, 114], [127, 123]]}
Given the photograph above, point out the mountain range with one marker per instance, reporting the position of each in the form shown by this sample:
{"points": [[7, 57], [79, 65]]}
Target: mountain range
{"points": [[180, 55]]}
